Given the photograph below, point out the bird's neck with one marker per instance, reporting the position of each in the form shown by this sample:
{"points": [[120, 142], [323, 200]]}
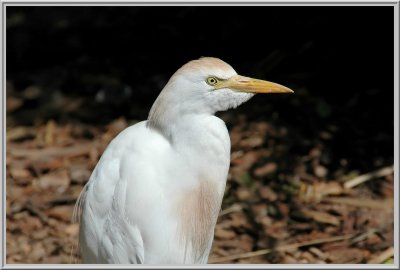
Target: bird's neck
{"points": [[194, 130], [171, 117], [191, 128], [201, 144], [201, 135]]}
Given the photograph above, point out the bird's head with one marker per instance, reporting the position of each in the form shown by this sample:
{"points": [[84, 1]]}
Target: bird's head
{"points": [[208, 85]]}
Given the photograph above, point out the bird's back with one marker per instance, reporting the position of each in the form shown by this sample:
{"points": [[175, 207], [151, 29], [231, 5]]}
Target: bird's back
{"points": [[127, 168]]}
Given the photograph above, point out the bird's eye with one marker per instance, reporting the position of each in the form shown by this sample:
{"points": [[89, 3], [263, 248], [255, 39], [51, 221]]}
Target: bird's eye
{"points": [[212, 81]]}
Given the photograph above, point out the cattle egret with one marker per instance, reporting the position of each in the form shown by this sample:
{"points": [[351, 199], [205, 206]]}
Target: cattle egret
{"points": [[155, 194]]}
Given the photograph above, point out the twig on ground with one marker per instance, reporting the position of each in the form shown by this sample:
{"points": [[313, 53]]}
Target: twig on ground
{"points": [[37, 212], [368, 176], [67, 199], [52, 152], [363, 236], [383, 256], [368, 203], [321, 217], [234, 208], [281, 248]]}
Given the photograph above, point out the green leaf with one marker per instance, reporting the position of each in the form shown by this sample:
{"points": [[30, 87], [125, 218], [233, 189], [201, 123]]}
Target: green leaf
{"points": [[247, 180], [324, 110], [389, 261]]}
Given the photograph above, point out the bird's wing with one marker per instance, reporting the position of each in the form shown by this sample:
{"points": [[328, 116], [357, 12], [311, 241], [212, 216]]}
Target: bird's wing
{"points": [[107, 235]]}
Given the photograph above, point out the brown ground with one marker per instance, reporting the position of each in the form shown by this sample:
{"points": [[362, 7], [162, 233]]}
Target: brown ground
{"points": [[276, 209]]}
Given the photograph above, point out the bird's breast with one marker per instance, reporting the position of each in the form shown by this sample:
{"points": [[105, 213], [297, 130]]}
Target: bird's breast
{"points": [[204, 149], [197, 213]]}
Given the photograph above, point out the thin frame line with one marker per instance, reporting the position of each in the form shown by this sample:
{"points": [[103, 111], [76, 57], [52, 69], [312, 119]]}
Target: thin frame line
{"points": [[232, 3]]}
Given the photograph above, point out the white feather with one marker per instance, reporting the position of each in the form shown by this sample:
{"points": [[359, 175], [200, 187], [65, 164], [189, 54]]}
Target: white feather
{"points": [[155, 193]]}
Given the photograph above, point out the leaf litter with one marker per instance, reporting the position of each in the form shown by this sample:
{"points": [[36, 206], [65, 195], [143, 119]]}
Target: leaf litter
{"points": [[279, 207]]}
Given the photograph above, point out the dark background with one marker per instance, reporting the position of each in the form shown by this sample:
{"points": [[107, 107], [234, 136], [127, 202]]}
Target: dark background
{"points": [[115, 61], [77, 76]]}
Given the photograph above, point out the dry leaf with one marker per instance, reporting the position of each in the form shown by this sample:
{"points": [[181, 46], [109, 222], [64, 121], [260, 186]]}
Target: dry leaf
{"points": [[243, 194], [224, 234], [268, 194], [62, 212], [13, 104], [58, 179]]}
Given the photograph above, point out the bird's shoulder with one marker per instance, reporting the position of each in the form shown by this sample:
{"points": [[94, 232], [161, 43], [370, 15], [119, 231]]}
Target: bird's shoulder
{"points": [[129, 157], [137, 137]]}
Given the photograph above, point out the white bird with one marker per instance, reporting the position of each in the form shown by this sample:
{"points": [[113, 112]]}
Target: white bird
{"points": [[155, 194]]}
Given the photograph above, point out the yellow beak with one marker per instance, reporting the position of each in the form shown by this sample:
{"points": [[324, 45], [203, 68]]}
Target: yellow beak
{"points": [[250, 85]]}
